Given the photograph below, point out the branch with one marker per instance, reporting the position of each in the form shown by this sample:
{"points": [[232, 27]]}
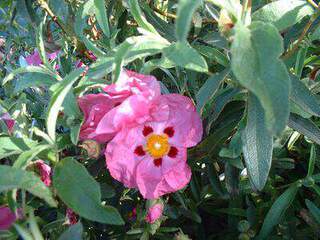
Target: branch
{"points": [[300, 39]]}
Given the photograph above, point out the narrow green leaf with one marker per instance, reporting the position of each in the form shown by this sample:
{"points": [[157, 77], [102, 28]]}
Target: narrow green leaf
{"points": [[57, 101], [183, 55], [81, 193], [186, 8], [33, 80], [257, 144], [213, 54], [11, 146], [283, 13], [12, 178], [119, 59], [138, 16], [312, 160], [34, 226], [276, 212], [30, 69], [303, 97], [209, 88], [27, 156], [301, 56], [304, 126], [256, 65], [40, 43], [314, 210], [101, 15], [74, 232]]}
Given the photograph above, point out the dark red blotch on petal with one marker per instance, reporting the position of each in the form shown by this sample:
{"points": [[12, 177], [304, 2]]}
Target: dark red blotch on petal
{"points": [[147, 130], [139, 151], [173, 152], [157, 162], [169, 131]]}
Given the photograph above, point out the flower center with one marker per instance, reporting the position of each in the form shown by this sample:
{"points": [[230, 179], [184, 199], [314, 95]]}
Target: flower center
{"points": [[157, 145]]}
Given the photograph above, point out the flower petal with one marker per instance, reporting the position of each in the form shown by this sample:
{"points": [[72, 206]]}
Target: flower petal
{"points": [[121, 158], [184, 119], [94, 107]]}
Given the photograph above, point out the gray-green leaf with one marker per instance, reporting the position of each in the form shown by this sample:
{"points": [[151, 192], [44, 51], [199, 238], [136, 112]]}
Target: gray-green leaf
{"points": [[183, 55], [283, 13], [277, 211], [257, 144], [256, 65]]}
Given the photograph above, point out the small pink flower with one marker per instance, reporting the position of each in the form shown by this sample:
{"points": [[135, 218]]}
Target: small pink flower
{"points": [[152, 156], [128, 101], [80, 64], [44, 171], [71, 217], [8, 121], [92, 56], [35, 60], [7, 218], [154, 213]]}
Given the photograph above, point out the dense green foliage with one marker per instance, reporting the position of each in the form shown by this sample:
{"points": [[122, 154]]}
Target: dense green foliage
{"points": [[252, 69]]}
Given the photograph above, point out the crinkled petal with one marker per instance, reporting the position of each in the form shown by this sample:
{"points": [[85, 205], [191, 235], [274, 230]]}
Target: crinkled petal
{"points": [[134, 110], [120, 155], [131, 83], [184, 119], [169, 163], [153, 183], [94, 107]]}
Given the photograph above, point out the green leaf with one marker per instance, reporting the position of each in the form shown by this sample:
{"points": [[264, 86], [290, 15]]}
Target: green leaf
{"points": [[304, 126], [101, 15], [186, 8], [257, 144], [79, 191], [30, 69], [283, 13], [11, 146], [209, 88], [183, 55], [74, 232], [256, 65], [33, 80], [57, 100], [314, 210], [28, 155], [301, 56], [138, 16], [142, 46], [276, 212], [40, 43], [312, 160], [12, 178], [303, 97], [213, 54]]}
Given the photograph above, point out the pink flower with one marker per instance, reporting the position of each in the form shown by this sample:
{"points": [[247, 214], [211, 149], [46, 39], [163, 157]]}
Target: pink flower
{"points": [[92, 56], [35, 60], [128, 101], [44, 171], [8, 121], [7, 218], [154, 213], [152, 155], [71, 217]]}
